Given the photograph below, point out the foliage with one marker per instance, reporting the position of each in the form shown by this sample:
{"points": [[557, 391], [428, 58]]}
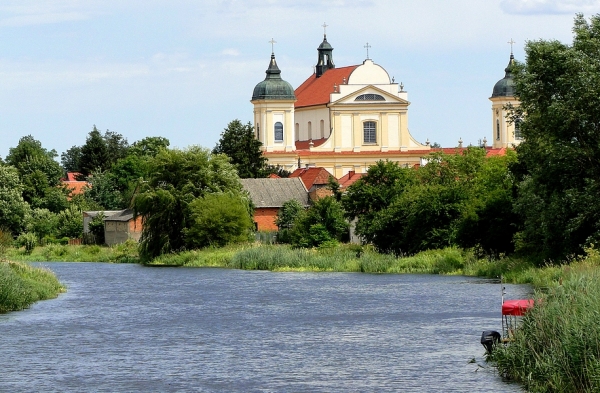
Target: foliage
{"points": [[177, 178], [70, 223], [96, 227], [13, 208], [21, 285], [556, 348], [149, 146], [42, 222], [218, 219], [6, 240], [559, 172], [276, 170], [462, 199], [288, 213], [240, 144], [323, 222], [70, 159], [126, 252], [28, 241], [94, 154], [103, 190], [40, 174]]}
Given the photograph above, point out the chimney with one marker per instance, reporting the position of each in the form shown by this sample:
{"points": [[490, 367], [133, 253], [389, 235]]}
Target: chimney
{"points": [[350, 174]]}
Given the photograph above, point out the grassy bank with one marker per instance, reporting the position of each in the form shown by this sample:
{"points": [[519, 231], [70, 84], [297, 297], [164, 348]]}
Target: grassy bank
{"points": [[557, 348], [21, 285], [120, 253]]}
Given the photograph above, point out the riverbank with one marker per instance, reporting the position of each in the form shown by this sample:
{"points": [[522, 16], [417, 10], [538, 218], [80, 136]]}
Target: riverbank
{"points": [[557, 347], [22, 285], [121, 253]]}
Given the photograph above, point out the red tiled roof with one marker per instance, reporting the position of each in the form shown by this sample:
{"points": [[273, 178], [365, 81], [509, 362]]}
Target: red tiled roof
{"points": [[496, 152], [72, 176], [490, 151], [305, 145], [316, 91], [274, 176], [349, 178], [312, 176], [75, 187]]}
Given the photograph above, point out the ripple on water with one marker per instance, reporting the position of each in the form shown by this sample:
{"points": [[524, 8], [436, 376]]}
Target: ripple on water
{"points": [[136, 329]]}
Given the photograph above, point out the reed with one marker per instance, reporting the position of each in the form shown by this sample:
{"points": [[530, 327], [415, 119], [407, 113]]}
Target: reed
{"points": [[21, 285], [557, 348], [126, 252]]}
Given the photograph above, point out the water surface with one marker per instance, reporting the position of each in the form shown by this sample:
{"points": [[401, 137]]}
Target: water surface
{"points": [[128, 328]]}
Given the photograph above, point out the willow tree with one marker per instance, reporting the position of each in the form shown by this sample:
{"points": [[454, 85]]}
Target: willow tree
{"points": [[177, 179], [559, 170]]}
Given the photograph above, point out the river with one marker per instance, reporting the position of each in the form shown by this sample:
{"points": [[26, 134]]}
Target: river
{"points": [[129, 328]]}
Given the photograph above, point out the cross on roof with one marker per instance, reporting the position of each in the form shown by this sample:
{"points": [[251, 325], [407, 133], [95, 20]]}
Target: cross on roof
{"points": [[511, 42], [367, 46], [324, 26], [272, 42]]}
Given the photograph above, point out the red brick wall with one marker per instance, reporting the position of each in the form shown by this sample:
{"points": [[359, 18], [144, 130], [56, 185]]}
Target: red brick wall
{"points": [[265, 218]]}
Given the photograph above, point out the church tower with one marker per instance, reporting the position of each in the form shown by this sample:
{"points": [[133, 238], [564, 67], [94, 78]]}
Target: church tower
{"points": [[273, 101], [325, 60], [505, 133]]}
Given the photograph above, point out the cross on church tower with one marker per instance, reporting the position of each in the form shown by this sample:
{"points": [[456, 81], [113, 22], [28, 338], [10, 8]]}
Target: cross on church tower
{"points": [[367, 46], [511, 42], [324, 25], [272, 42]]}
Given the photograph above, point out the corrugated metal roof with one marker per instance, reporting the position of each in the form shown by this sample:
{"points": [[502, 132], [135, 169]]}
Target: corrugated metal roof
{"points": [[123, 215], [275, 192]]}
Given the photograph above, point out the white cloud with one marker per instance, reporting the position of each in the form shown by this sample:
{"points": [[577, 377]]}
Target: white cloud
{"points": [[541, 7], [230, 52]]}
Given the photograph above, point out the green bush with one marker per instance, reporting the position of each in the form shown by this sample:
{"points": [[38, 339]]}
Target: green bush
{"points": [[27, 240]]}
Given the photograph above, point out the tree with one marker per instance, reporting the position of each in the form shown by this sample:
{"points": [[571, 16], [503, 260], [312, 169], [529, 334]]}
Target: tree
{"points": [[149, 146], [559, 171], [103, 190], [239, 143], [94, 154], [178, 177], [324, 221], [13, 208], [40, 174], [116, 146], [71, 159], [217, 220]]}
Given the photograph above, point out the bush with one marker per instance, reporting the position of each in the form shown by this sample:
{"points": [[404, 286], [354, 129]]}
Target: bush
{"points": [[27, 240]]}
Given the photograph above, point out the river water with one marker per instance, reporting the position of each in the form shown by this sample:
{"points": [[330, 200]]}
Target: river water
{"points": [[129, 328]]}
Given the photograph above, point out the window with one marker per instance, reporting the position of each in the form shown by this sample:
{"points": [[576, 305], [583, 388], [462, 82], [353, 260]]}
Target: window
{"points": [[369, 97], [309, 130], [322, 128], [297, 129], [279, 131], [518, 129], [370, 131], [497, 129], [257, 131]]}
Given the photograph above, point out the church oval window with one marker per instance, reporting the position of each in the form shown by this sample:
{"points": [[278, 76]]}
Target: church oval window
{"points": [[370, 132], [369, 97], [518, 129], [497, 129], [279, 131]]}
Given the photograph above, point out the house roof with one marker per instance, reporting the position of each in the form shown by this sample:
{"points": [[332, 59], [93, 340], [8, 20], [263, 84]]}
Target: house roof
{"points": [[72, 176], [122, 215], [312, 176], [75, 187], [349, 178], [316, 91], [275, 192], [305, 145]]}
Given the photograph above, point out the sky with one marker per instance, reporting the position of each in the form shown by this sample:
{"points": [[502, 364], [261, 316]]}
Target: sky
{"points": [[183, 69]]}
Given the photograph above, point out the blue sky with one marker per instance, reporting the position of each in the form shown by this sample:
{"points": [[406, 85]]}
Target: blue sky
{"points": [[183, 69]]}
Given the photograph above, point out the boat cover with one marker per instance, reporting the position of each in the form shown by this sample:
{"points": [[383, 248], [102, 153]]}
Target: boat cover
{"points": [[517, 307]]}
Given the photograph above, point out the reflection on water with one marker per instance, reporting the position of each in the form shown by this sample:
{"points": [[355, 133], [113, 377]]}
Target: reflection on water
{"points": [[128, 328]]}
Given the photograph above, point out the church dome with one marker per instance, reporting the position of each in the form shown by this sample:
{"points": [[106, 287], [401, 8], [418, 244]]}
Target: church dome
{"points": [[505, 87], [273, 87]]}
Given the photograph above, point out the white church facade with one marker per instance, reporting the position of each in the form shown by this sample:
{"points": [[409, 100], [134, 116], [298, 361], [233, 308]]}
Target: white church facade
{"points": [[346, 119]]}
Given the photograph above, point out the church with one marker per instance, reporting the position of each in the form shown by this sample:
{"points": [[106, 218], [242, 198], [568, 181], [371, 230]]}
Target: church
{"points": [[346, 119]]}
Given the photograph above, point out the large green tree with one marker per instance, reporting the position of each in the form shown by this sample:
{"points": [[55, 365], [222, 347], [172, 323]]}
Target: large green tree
{"points": [[13, 209], [239, 143], [559, 171], [40, 174], [178, 178], [94, 154]]}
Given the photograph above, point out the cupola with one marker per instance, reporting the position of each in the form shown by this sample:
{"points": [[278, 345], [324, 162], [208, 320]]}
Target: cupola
{"points": [[273, 87], [505, 87]]}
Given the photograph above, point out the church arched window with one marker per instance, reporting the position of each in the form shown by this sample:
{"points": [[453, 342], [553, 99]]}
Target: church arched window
{"points": [[369, 97], [497, 129], [518, 129], [257, 131], [370, 132], [279, 131]]}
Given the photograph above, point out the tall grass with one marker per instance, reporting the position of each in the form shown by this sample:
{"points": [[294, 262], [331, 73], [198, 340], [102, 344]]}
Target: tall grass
{"points": [[21, 285], [557, 348], [126, 252]]}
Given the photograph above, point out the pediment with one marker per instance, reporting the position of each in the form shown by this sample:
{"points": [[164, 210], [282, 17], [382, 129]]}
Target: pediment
{"points": [[370, 95]]}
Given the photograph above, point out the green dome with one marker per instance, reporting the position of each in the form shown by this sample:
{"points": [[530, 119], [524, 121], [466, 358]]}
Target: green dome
{"points": [[505, 87], [325, 45], [273, 87]]}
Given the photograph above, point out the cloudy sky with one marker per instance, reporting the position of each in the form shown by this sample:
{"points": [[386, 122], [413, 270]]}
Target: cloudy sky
{"points": [[183, 69]]}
